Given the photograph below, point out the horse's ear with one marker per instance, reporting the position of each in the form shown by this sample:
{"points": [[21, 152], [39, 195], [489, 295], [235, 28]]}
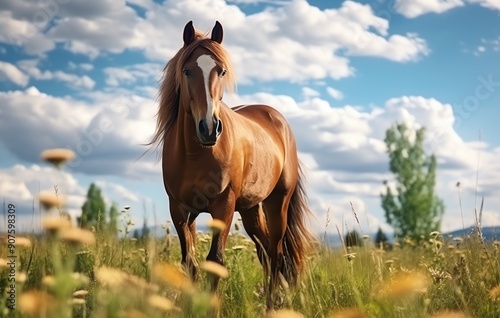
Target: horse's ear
{"points": [[217, 32], [189, 33]]}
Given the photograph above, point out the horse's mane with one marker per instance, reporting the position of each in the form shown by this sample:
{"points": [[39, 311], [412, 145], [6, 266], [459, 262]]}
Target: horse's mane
{"points": [[172, 77]]}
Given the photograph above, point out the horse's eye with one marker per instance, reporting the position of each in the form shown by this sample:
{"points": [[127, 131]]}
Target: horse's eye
{"points": [[186, 72], [223, 73]]}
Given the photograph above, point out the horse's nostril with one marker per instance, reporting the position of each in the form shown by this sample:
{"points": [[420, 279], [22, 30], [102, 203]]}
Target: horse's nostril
{"points": [[219, 127], [202, 127]]}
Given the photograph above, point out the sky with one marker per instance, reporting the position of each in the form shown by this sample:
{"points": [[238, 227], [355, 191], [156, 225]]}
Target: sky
{"points": [[85, 75]]}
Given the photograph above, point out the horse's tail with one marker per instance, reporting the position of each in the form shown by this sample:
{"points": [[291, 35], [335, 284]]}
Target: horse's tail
{"points": [[298, 240]]}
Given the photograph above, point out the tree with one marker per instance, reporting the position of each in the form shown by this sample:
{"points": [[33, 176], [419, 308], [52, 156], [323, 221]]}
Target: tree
{"points": [[353, 238], [94, 209], [113, 218], [413, 209], [381, 239]]}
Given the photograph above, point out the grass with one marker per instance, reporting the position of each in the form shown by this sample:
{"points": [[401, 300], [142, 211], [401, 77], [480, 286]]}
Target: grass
{"points": [[71, 272], [58, 277]]}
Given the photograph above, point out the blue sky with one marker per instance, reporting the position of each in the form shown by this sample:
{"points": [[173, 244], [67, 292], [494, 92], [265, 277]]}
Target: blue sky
{"points": [[341, 72]]}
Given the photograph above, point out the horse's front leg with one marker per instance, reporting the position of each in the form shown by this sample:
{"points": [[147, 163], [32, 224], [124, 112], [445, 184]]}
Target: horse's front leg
{"points": [[185, 224], [222, 208]]}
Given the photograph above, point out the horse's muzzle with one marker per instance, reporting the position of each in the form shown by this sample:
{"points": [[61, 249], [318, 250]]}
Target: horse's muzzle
{"points": [[209, 138]]}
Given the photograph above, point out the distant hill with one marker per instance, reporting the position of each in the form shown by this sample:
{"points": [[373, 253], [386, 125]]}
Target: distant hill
{"points": [[490, 233]]}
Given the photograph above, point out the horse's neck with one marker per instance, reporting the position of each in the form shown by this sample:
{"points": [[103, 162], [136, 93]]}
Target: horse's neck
{"points": [[186, 134]]}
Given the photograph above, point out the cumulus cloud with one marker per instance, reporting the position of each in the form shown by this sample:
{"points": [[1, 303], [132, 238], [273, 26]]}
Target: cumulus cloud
{"points": [[335, 93], [146, 72], [415, 8], [287, 34], [78, 82], [10, 73]]}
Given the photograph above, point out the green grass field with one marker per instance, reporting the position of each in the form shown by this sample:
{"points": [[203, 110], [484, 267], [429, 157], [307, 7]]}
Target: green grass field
{"points": [[64, 273], [71, 272]]}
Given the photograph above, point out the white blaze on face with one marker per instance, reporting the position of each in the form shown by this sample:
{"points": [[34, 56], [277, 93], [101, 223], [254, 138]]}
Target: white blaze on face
{"points": [[207, 63]]}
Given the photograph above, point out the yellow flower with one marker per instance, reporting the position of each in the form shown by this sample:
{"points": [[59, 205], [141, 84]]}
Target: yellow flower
{"points": [[216, 225], [215, 269], [449, 314], [404, 284], [161, 303], [173, 276], [55, 224], [49, 200], [495, 293], [36, 303], [57, 156], [23, 242], [77, 236], [348, 313], [284, 313], [80, 293]]}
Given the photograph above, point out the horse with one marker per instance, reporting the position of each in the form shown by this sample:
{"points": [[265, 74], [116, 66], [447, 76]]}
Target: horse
{"points": [[219, 160]]}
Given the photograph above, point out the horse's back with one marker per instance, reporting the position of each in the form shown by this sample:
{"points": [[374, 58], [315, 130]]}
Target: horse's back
{"points": [[264, 116]]}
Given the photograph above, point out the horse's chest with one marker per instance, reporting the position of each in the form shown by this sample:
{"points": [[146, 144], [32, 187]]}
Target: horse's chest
{"points": [[193, 185]]}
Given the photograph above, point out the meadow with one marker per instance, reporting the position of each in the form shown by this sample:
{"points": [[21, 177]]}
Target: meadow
{"points": [[66, 271], [70, 272]]}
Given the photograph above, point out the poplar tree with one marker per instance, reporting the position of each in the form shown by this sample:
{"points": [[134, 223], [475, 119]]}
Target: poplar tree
{"points": [[413, 209], [94, 209]]}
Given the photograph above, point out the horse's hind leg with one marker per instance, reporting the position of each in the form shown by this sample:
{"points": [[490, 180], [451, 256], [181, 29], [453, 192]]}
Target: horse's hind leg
{"points": [[254, 222], [276, 207], [185, 225]]}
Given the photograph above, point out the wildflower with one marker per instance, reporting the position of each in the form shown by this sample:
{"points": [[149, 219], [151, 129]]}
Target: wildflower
{"points": [[495, 293], [80, 293], [284, 313], [238, 247], [55, 224], [48, 280], [449, 314], [161, 303], [36, 303], [21, 278], [350, 256], [23, 242], [403, 285], [77, 301], [172, 276], [77, 236], [348, 313], [80, 278], [216, 225], [215, 269], [49, 200], [110, 277], [4, 263], [58, 156]]}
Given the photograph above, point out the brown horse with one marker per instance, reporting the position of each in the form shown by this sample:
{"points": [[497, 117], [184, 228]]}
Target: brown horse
{"points": [[218, 160]]}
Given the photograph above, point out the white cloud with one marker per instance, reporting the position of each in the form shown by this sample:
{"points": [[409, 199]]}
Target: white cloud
{"points": [[335, 93], [39, 121], [115, 190], [490, 4], [82, 66], [415, 8], [20, 185], [75, 81], [287, 46], [10, 72], [146, 72]]}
